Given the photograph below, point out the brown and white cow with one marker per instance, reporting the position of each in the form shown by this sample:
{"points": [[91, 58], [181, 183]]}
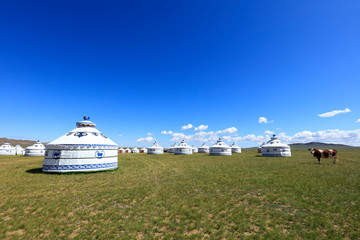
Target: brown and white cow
{"points": [[320, 153]]}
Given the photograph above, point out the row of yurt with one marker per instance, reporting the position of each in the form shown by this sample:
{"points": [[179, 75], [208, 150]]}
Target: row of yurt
{"points": [[19, 150], [275, 148], [37, 149], [204, 148], [235, 148], [194, 149], [84, 149]]}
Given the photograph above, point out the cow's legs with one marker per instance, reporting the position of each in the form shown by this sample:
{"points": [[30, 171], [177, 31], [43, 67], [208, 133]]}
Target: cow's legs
{"points": [[319, 160], [334, 162]]}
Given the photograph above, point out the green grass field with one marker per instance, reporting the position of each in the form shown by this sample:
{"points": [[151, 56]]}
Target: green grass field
{"points": [[185, 197]]}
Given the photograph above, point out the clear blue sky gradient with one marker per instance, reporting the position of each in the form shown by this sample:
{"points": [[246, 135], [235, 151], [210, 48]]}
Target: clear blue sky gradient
{"points": [[147, 66]]}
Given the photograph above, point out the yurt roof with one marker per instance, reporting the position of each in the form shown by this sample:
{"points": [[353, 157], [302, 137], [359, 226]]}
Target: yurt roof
{"points": [[173, 146], [135, 148], [275, 142], [37, 145], [183, 144], [127, 149], [234, 145], [143, 149], [194, 147], [220, 144], [155, 145], [121, 148], [6, 145], [204, 146], [84, 135]]}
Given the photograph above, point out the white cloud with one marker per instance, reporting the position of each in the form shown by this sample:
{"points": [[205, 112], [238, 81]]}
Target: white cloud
{"points": [[264, 120], [186, 127], [201, 128], [149, 134], [120, 135], [358, 121], [197, 137], [333, 113], [167, 132], [228, 130], [268, 132], [145, 140]]}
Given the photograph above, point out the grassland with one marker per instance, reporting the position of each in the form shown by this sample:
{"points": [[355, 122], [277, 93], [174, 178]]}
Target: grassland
{"points": [[184, 197]]}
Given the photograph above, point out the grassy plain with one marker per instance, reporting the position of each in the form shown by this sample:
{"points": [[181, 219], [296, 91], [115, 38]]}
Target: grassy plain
{"points": [[184, 197]]}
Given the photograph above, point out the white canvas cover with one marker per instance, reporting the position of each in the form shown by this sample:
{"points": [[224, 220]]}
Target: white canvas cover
{"points": [[135, 150], [275, 148], [121, 150], [84, 149], [38, 149], [220, 148], [204, 148], [183, 149], [19, 150], [7, 149], [143, 150], [235, 148], [155, 149], [194, 149], [171, 149]]}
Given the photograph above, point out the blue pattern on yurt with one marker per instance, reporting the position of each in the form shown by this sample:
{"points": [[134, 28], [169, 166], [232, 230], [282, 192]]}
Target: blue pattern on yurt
{"points": [[79, 166]]}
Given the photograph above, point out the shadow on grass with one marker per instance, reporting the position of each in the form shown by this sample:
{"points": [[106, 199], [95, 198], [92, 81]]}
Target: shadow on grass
{"points": [[39, 171]]}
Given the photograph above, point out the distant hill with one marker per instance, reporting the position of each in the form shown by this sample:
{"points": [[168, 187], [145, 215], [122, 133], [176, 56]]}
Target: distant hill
{"points": [[13, 142], [320, 145]]}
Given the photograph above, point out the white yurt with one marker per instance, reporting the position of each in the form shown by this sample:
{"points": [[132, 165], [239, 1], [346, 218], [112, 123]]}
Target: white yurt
{"points": [[194, 149], [135, 150], [235, 148], [84, 149], [259, 148], [155, 149], [143, 150], [220, 148], [171, 149], [183, 149], [7, 149], [127, 150], [19, 150], [204, 148], [275, 148], [121, 150], [38, 149]]}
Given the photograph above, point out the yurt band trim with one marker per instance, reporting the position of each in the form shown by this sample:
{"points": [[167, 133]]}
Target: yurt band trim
{"points": [[84, 134], [85, 145], [81, 166]]}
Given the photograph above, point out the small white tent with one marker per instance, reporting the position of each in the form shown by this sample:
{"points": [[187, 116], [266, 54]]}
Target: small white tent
{"points": [[220, 148], [171, 149], [135, 150], [275, 148], [127, 150], [7, 149], [194, 149], [38, 149], [183, 149], [143, 150], [121, 150], [259, 148], [235, 148], [204, 148], [19, 150], [84, 149], [155, 149]]}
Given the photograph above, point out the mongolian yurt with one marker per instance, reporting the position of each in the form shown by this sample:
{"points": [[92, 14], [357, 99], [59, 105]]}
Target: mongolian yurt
{"points": [[143, 150], [183, 149], [19, 150], [259, 148], [84, 149], [38, 149], [275, 148], [127, 150], [220, 148], [155, 149], [235, 148], [171, 149], [7, 149], [194, 149], [204, 148], [135, 150], [121, 150]]}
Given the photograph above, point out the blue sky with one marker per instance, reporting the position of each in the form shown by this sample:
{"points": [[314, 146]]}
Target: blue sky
{"points": [[139, 67]]}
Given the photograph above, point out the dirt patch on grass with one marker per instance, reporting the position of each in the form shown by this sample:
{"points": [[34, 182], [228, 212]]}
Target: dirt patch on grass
{"points": [[16, 232]]}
